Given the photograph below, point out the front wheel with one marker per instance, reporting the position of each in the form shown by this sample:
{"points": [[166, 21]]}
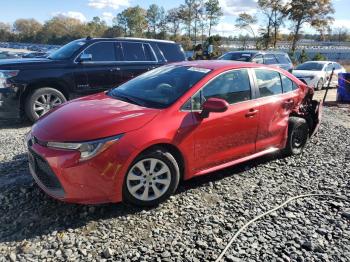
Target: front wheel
{"points": [[152, 178], [320, 84], [298, 136], [41, 101]]}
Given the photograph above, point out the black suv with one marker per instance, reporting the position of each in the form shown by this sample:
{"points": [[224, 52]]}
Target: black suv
{"points": [[32, 87], [276, 58]]}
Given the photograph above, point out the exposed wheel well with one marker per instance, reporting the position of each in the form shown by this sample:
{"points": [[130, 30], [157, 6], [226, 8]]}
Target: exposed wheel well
{"points": [[30, 88], [174, 151]]}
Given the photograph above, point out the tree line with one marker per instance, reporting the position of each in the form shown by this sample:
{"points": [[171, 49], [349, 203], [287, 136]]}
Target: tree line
{"points": [[190, 23]]}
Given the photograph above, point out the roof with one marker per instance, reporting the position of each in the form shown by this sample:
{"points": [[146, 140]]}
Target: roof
{"points": [[218, 64], [258, 52], [131, 39], [319, 62]]}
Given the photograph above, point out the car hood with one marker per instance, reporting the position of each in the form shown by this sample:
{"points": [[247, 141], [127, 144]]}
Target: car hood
{"points": [[90, 118], [18, 63], [301, 73]]}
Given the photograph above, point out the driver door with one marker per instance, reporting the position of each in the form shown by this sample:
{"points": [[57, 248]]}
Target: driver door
{"points": [[227, 136]]}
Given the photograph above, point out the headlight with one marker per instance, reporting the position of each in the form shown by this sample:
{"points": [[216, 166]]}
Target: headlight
{"points": [[6, 74], [88, 149]]}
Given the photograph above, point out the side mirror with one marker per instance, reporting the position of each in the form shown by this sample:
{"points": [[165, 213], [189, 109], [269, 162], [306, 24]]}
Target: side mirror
{"points": [[85, 58], [214, 105]]}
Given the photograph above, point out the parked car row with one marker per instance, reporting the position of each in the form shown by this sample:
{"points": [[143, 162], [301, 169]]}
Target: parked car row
{"points": [[316, 74]]}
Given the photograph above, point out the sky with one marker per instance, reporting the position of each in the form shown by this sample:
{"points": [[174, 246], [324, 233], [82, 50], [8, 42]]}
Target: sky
{"points": [[85, 10]]}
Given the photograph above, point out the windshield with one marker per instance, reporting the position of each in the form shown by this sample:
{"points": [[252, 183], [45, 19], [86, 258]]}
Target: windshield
{"points": [[238, 56], [66, 51], [160, 87], [310, 66]]}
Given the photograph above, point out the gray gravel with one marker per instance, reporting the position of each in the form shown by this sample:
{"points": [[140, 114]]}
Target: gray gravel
{"points": [[196, 223]]}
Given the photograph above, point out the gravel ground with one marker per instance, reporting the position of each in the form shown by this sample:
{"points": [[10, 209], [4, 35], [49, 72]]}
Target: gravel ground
{"points": [[196, 223]]}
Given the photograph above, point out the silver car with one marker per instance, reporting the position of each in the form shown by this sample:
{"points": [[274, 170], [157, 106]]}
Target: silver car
{"points": [[316, 74]]}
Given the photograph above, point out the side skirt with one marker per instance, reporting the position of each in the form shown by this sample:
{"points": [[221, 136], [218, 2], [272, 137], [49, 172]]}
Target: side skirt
{"points": [[237, 161]]}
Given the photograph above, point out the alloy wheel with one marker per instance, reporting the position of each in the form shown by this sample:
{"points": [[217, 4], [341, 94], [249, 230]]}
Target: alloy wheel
{"points": [[45, 103], [148, 179]]}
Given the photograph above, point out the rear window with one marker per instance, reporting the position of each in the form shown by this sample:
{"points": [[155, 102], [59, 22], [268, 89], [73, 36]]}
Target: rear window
{"points": [[237, 56], [137, 52], [283, 58], [172, 52]]}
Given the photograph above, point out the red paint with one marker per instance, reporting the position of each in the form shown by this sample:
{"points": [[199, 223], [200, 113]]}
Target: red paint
{"points": [[243, 131]]}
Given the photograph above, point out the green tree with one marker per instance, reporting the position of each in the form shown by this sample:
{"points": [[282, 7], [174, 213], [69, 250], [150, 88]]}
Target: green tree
{"points": [[153, 18], [303, 57], [5, 32], [173, 19], [319, 57], [96, 27], [214, 13], [27, 29], [120, 21], [313, 12], [136, 20]]}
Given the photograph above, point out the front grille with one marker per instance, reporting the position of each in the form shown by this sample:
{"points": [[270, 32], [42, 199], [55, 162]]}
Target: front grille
{"points": [[43, 171]]}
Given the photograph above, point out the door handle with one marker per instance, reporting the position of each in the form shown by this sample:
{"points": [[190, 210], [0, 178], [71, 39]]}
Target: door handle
{"points": [[252, 112]]}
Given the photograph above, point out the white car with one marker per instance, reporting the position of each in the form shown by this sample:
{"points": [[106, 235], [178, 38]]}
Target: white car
{"points": [[316, 74]]}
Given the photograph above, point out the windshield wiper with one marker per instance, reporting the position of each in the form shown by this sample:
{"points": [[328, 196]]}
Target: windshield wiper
{"points": [[127, 99]]}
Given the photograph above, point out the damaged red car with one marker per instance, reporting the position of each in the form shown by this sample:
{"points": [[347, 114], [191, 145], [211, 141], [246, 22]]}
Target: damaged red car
{"points": [[136, 142]]}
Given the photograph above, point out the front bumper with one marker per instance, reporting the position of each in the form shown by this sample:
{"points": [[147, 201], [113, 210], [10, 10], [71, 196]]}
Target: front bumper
{"points": [[60, 174], [9, 103]]}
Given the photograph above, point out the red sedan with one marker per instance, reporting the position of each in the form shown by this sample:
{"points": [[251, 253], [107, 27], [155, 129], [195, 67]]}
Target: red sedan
{"points": [[136, 142]]}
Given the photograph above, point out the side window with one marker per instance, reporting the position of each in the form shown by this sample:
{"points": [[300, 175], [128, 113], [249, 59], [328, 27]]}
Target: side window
{"points": [[102, 52], [329, 67], [269, 82], [287, 84], [270, 59], [259, 59], [283, 59], [233, 86], [137, 52]]}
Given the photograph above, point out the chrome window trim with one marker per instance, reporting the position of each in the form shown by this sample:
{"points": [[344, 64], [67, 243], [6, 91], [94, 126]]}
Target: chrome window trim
{"points": [[117, 61]]}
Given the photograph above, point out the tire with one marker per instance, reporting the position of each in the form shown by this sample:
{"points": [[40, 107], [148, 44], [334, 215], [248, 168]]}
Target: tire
{"points": [[41, 101], [298, 136], [320, 84], [140, 188]]}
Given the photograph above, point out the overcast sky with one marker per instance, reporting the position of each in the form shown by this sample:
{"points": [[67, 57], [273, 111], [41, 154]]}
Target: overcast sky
{"points": [[86, 9]]}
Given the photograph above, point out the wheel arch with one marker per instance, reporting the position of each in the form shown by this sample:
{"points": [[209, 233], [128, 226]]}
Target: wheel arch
{"points": [[174, 150], [63, 88]]}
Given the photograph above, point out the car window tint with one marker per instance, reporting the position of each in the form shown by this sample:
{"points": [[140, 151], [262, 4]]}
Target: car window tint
{"points": [[258, 59], [269, 82], [233, 86], [283, 59], [172, 52], [149, 56], [103, 51], [270, 59], [135, 52], [287, 84]]}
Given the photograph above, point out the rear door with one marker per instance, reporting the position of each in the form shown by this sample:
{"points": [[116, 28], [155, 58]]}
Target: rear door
{"points": [[278, 95], [227, 136], [138, 58]]}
